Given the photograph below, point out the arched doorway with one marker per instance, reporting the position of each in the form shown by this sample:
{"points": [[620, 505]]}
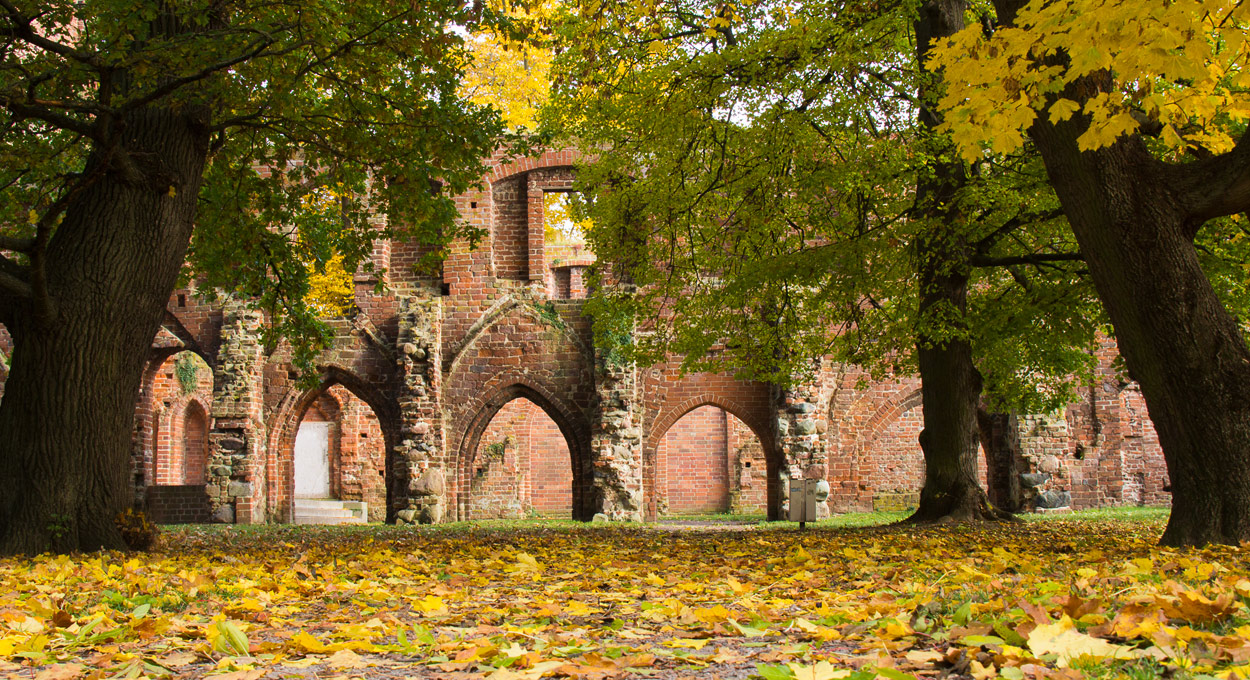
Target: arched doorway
{"points": [[336, 470], [710, 461], [521, 455]]}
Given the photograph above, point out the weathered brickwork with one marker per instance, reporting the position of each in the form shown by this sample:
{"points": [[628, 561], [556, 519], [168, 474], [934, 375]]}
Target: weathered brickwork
{"points": [[472, 388]]}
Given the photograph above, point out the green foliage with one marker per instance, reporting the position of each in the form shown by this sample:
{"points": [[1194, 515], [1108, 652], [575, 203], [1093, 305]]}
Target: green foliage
{"points": [[754, 188], [323, 117], [187, 370], [549, 315]]}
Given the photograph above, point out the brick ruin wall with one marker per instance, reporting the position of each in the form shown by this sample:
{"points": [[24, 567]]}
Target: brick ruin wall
{"points": [[428, 379]]}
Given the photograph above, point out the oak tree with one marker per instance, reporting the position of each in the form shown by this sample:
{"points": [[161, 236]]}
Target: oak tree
{"points": [[127, 126], [1139, 112]]}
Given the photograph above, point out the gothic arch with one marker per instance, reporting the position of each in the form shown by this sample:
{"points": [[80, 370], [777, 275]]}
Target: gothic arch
{"points": [[458, 350], [286, 418], [468, 434]]}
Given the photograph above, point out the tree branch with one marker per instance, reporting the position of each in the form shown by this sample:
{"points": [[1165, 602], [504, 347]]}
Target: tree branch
{"points": [[1039, 258], [14, 286], [68, 123], [19, 245], [1213, 187], [23, 28]]}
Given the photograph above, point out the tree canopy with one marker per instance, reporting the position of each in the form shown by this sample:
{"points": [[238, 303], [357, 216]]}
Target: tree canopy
{"points": [[283, 132], [754, 177]]}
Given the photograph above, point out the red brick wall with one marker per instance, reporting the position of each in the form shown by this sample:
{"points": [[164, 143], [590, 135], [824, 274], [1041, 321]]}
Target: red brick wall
{"points": [[893, 460], [551, 469], [696, 462], [361, 462], [667, 396], [172, 454], [195, 445], [499, 483], [749, 492]]}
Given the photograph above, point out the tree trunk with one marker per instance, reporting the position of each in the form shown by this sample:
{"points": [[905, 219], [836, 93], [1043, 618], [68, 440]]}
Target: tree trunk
{"points": [[950, 384], [67, 413], [1177, 339]]}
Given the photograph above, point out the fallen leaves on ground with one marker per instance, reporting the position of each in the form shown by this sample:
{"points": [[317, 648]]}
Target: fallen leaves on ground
{"points": [[1035, 600]]}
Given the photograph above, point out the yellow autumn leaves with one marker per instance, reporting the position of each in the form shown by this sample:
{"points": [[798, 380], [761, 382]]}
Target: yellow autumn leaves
{"points": [[1039, 600], [1180, 65]]}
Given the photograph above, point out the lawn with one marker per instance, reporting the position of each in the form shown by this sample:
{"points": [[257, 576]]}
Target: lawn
{"points": [[1086, 594]]}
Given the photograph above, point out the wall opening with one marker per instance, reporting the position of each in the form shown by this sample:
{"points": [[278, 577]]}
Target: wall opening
{"points": [[181, 388], [194, 444], [339, 453], [521, 467], [709, 461]]}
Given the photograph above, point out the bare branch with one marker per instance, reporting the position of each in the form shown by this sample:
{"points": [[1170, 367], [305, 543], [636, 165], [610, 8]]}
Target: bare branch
{"points": [[19, 245]]}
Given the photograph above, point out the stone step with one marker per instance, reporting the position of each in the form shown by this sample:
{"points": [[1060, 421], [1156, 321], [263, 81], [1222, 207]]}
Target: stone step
{"points": [[329, 511]]}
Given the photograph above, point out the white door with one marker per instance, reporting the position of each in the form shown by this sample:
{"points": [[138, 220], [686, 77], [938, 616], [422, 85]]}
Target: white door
{"points": [[312, 460]]}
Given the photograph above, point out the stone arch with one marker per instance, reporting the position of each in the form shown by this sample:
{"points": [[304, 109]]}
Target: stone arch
{"points": [[668, 416], [280, 446], [572, 425]]}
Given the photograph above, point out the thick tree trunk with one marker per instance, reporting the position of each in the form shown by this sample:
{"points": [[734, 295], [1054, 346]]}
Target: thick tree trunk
{"points": [[1177, 339], [68, 407], [950, 383]]}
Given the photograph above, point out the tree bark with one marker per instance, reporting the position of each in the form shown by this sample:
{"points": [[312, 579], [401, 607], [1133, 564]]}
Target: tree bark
{"points": [[950, 382], [67, 412], [1178, 341], [1135, 219]]}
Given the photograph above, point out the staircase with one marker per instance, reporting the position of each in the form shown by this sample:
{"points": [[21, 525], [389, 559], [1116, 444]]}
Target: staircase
{"points": [[329, 511]]}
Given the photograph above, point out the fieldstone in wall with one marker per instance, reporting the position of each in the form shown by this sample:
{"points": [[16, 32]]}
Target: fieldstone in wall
{"points": [[616, 444]]}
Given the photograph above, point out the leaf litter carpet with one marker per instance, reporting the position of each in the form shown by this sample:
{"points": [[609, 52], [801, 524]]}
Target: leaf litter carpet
{"points": [[1054, 599]]}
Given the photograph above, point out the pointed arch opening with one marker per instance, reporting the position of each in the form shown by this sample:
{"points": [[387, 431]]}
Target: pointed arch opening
{"points": [[521, 456], [331, 455], [708, 455], [710, 461]]}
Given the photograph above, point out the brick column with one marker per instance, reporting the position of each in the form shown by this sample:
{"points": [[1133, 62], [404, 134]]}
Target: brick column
{"points": [[419, 484], [236, 481]]}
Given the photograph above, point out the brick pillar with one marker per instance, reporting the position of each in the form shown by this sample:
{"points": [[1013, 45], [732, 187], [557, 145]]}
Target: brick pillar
{"points": [[236, 480], [420, 492], [801, 425], [616, 442]]}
